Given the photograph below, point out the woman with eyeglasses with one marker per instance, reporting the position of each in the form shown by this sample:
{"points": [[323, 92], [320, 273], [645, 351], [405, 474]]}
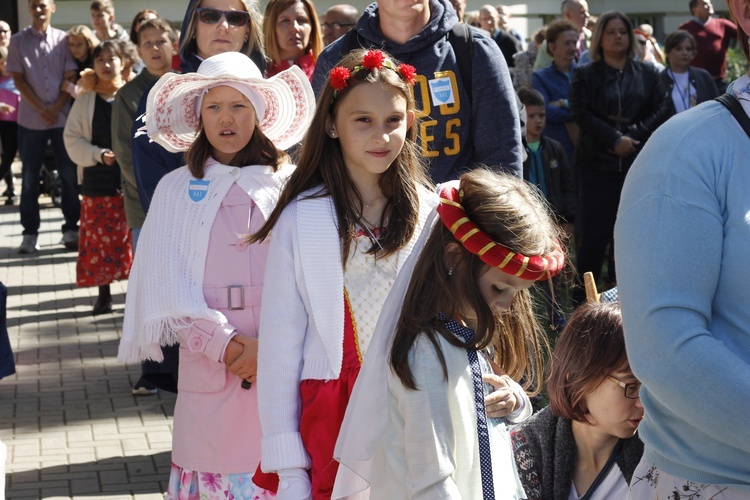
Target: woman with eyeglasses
{"points": [[213, 27], [585, 443], [292, 32], [688, 85]]}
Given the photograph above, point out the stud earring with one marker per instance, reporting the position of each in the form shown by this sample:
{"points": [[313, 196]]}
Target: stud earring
{"points": [[332, 133], [450, 271]]}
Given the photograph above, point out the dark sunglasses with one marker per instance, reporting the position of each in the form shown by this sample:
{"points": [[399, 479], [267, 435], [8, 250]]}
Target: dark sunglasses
{"points": [[236, 18]]}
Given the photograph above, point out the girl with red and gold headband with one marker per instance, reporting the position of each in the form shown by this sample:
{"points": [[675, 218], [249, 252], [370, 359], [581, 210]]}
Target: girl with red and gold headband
{"points": [[435, 424]]}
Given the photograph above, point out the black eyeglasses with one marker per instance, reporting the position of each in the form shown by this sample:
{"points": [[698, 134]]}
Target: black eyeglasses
{"points": [[632, 390], [236, 18], [336, 26]]}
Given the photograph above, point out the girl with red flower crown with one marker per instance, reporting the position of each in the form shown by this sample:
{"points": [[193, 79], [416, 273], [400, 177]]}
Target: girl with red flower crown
{"points": [[345, 224]]}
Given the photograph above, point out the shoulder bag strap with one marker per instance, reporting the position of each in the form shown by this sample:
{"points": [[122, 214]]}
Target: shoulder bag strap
{"points": [[604, 472], [734, 106]]}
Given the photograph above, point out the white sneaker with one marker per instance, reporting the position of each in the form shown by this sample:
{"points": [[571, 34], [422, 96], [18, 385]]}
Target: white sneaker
{"points": [[70, 239], [28, 245]]}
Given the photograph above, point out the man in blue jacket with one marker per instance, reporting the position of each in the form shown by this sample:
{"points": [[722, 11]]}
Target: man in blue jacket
{"points": [[461, 125]]}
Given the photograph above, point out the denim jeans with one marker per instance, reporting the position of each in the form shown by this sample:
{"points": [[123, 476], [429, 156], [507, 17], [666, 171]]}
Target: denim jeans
{"points": [[31, 146]]}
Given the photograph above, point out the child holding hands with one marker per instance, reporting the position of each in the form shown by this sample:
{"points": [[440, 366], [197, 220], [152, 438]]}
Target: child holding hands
{"points": [[436, 424], [196, 280]]}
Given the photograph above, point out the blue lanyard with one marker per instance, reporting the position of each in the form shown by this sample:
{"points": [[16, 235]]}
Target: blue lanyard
{"points": [[686, 100]]}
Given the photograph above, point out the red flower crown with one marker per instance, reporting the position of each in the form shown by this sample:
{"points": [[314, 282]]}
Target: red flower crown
{"points": [[373, 59], [476, 241]]}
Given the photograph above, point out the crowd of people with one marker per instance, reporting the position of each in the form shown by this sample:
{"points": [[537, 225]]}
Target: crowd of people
{"points": [[348, 240]]}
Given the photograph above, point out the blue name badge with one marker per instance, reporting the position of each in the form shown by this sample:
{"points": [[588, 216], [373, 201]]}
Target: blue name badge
{"points": [[441, 91], [197, 189]]}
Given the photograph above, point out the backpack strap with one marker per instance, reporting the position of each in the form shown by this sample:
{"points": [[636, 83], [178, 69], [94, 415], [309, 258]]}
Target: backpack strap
{"points": [[734, 107], [462, 41], [352, 41]]}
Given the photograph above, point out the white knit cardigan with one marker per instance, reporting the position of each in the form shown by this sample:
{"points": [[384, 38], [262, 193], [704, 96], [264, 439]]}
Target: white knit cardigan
{"points": [[78, 132], [302, 319], [166, 280]]}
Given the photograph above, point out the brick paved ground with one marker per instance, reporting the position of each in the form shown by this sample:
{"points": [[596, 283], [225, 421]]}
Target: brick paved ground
{"points": [[71, 426]]}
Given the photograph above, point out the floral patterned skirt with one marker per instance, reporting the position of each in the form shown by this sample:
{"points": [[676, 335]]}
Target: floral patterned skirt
{"points": [[105, 250], [192, 485], [652, 483]]}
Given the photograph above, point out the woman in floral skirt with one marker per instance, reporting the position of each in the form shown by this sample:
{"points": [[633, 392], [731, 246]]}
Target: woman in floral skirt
{"points": [[104, 243]]}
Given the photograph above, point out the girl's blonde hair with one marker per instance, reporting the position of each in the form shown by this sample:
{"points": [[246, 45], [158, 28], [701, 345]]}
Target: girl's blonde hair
{"points": [[255, 36], [513, 214], [321, 165], [273, 10], [83, 31]]}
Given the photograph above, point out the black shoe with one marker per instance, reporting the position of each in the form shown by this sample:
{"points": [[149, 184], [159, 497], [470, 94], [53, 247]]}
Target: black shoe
{"points": [[9, 193], [144, 388], [9, 201], [103, 305], [70, 239]]}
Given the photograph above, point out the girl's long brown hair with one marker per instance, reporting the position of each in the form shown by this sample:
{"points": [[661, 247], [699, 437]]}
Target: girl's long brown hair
{"points": [[258, 151], [514, 215], [321, 165]]}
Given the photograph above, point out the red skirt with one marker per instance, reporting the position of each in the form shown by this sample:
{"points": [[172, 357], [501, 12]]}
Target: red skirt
{"points": [[105, 249]]}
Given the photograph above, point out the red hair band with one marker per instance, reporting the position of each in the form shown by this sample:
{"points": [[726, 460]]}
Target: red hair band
{"points": [[476, 241], [372, 60]]}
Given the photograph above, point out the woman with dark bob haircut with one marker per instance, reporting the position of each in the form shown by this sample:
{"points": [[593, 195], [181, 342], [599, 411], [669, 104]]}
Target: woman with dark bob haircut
{"points": [[688, 86], [585, 442]]}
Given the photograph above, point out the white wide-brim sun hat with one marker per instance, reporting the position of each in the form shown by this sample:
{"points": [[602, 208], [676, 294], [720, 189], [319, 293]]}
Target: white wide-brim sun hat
{"points": [[173, 121]]}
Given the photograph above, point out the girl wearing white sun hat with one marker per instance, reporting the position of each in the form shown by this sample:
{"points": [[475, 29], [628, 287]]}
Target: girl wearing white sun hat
{"points": [[195, 280]]}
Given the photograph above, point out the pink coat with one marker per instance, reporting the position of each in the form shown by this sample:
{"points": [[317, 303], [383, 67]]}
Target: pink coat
{"points": [[216, 426]]}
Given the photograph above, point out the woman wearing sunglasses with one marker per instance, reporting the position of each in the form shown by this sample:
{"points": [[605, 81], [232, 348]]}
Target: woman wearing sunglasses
{"points": [[584, 444], [213, 27], [293, 35]]}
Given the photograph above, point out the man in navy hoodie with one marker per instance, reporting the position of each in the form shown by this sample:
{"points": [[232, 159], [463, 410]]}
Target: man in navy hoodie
{"points": [[456, 132]]}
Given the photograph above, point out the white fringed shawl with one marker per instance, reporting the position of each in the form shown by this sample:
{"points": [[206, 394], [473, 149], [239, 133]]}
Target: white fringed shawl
{"points": [[166, 282]]}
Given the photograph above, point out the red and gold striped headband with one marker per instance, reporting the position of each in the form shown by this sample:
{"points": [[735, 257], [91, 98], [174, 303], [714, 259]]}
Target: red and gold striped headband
{"points": [[476, 241]]}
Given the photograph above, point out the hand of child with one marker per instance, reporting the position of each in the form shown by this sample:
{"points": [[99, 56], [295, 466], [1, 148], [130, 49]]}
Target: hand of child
{"points": [[69, 87], [294, 484], [108, 157], [6, 108], [502, 401], [245, 366]]}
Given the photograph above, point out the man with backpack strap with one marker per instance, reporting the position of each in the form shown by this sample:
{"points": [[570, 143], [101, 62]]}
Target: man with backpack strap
{"points": [[464, 94]]}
